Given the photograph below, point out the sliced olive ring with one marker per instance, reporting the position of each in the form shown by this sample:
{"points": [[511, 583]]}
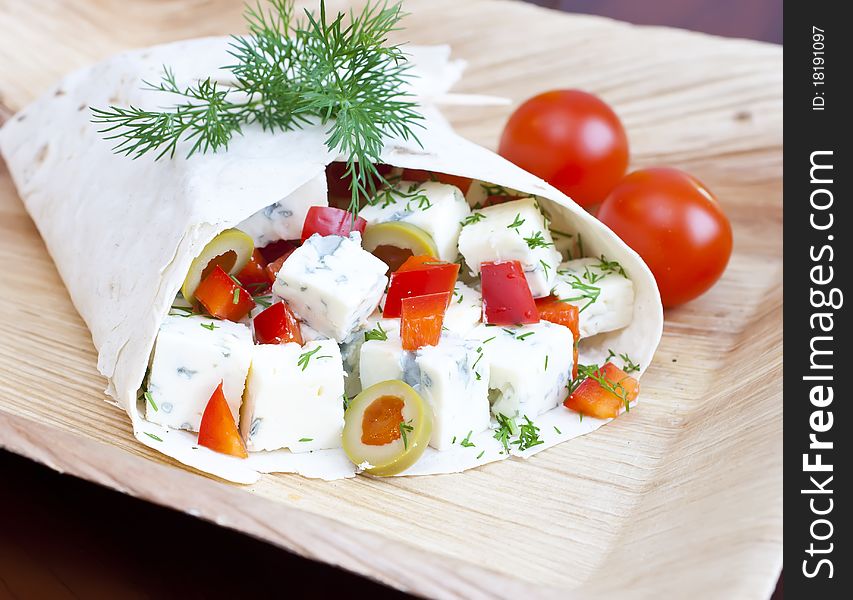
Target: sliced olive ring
{"points": [[394, 242], [231, 250], [387, 427]]}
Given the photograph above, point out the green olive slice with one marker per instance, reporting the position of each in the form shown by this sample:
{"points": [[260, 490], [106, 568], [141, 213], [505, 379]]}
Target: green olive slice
{"points": [[231, 250], [393, 242], [387, 427]]}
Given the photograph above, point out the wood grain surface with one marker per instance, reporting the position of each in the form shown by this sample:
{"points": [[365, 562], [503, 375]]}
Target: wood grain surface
{"points": [[681, 497]]}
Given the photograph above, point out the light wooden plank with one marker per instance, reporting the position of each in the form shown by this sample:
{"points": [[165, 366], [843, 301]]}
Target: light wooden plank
{"points": [[660, 502]]}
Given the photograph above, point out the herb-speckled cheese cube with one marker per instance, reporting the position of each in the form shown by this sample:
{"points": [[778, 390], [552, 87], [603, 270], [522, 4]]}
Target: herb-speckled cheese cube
{"points": [[530, 366], [512, 231], [294, 397], [452, 377], [332, 284], [437, 208], [191, 356], [465, 310], [351, 349], [284, 219], [600, 289]]}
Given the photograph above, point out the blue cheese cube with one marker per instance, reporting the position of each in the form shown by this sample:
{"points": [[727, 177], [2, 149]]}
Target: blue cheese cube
{"points": [[437, 208], [332, 284], [600, 289], [529, 366], [465, 310], [452, 377], [480, 191], [191, 356], [375, 327], [294, 397], [512, 231], [284, 219]]}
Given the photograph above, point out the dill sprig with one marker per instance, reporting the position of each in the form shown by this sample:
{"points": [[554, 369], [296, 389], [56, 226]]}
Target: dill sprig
{"points": [[288, 73]]}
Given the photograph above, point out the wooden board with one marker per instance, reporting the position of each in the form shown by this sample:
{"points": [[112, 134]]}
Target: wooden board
{"points": [[679, 498]]}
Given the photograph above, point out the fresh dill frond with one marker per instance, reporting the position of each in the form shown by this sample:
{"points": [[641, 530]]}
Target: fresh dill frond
{"points": [[288, 73]]}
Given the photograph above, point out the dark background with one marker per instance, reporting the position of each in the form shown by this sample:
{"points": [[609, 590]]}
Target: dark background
{"points": [[64, 538]]}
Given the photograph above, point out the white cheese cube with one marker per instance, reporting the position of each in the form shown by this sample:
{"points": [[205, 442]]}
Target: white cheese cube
{"points": [[351, 349], [454, 379], [513, 231], [465, 310], [600, 289], [529, 366], [294, 397], [437, 208], [284, 219], [332, 284], [383, 360], [191, 356]]}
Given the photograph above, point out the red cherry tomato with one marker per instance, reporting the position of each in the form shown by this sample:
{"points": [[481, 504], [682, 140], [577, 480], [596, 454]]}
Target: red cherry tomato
{"points": [[676, 225], [572, 140], [328, 220]]}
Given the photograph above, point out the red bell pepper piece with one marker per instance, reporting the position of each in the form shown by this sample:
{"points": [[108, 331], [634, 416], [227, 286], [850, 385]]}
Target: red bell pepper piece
{"points": [[604, 393], [506, 296], [277, 325], [422, 317], [275, 250], [222, 297], [419, 276], [254, 276], [328, 220], [218, 430], [275, 266], [562, 313], [463, 183]]}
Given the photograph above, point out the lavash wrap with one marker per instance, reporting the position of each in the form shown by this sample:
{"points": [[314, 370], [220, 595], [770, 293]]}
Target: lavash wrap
{"points": [[123, 232]]}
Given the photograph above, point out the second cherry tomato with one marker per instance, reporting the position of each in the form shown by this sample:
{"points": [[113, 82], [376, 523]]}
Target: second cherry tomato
{"points": [[676, 225], [572, 140]]}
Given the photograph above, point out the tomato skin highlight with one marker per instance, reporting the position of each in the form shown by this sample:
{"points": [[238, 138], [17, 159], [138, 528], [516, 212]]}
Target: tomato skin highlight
{"points": [[463, 183], [593, 400], [328, 220], [418, 276], [571, 139], [216, 293], [506, 296], [218, 430], [562, 313], [277, 325], [421, 320], [254, 276], [676, 225]]}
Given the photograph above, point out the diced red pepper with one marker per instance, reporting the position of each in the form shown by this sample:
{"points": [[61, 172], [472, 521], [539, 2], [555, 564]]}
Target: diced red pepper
{"points": [[552, 309], [222, 297], [593, 399], [506, 296], [254, 276], [463, 183], [275, 266], [218, 430], [328, 220], [422, 318], [277, 325], [275, 250], [419, 276]]}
